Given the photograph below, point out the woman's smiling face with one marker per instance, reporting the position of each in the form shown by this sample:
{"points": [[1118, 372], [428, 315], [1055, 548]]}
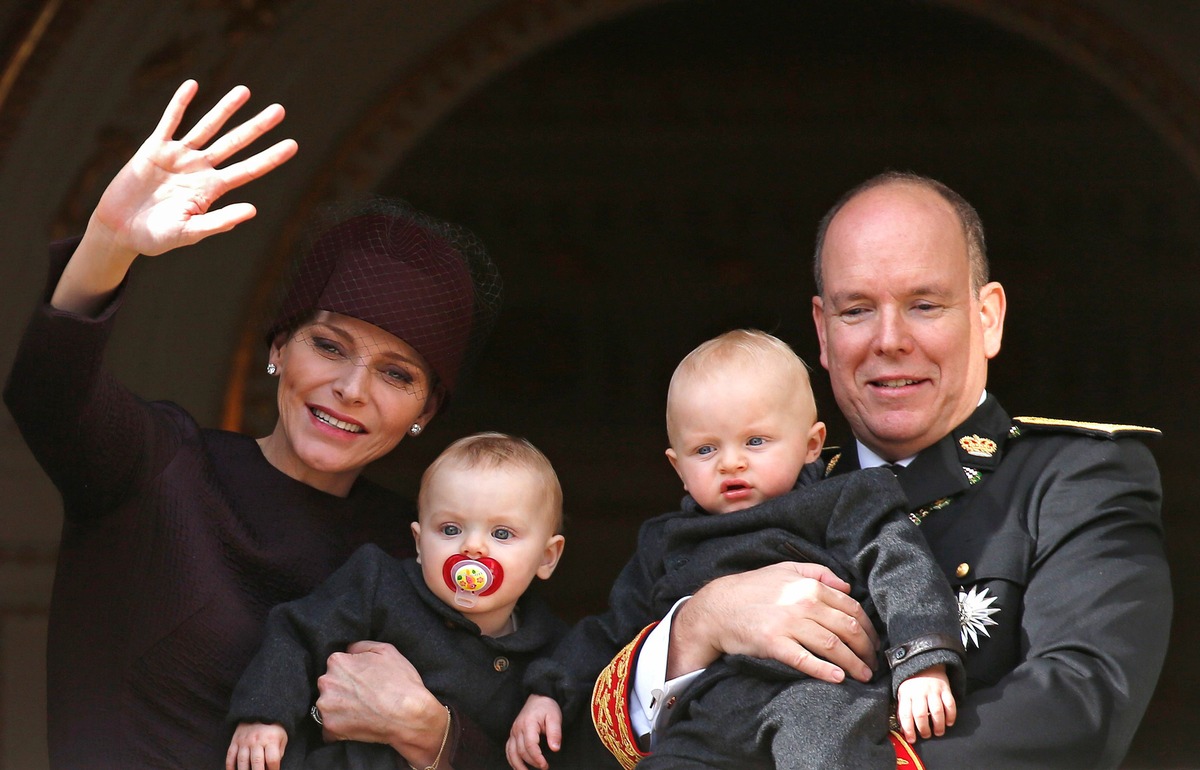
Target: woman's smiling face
{"points": [[348, 393]]}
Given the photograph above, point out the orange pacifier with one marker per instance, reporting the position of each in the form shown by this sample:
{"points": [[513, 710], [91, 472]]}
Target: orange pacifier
{"points": [[470, 578]]}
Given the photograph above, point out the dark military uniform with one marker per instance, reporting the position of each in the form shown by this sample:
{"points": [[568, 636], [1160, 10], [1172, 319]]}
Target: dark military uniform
{"points": [[1050, 533]]}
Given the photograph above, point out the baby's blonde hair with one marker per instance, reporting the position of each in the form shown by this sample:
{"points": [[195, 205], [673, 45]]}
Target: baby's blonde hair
{"points": [[490, 450], [758, 354]]}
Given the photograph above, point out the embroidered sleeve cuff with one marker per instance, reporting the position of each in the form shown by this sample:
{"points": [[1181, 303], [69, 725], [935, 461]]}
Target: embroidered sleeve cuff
{"points": [[906, 755], [610, 705]]}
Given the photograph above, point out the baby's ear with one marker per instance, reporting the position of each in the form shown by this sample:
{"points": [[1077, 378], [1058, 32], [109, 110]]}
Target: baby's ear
{"points": [[550, 556], [416, 530], [674, 459], [816, 441]]}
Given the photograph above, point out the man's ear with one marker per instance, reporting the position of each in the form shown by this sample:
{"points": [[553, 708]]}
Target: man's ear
{"points": [[992, 306], [818, 312], [550, 556]]}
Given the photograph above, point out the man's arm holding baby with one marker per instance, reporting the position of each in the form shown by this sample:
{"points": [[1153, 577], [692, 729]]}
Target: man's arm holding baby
{"points": [[799, 614]]}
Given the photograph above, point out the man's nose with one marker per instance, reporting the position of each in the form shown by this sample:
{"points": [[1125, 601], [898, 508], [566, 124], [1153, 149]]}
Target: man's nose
{"points": [[893, 334]]}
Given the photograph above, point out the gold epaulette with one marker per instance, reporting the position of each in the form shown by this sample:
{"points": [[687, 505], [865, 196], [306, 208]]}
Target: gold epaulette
{"points": [[610, 705], [1097, 429]]}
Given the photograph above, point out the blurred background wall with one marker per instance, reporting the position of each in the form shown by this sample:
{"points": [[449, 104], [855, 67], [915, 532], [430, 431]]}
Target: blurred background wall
{"points": [[646, 174]]}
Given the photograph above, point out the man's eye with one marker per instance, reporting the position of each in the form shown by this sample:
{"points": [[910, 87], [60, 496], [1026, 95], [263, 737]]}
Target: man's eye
{"points": [[450, 530], [502, 533], [756, 441]]}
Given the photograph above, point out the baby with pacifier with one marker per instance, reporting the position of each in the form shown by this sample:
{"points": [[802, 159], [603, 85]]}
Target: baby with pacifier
{"points": [[488, 521]]}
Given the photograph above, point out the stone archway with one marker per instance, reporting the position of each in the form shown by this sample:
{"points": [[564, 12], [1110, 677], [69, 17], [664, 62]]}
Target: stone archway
{"points": [[517, 29]]}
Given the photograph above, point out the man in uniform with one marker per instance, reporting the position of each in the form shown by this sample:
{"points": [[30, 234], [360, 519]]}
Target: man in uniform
{"points": [[1049, 531]]}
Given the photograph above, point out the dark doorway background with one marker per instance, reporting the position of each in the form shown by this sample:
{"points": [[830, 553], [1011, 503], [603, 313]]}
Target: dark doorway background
{"points": [[656, 180]]}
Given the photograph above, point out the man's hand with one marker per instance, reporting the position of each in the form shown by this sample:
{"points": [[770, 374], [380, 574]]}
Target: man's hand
{"points": [[540, 716], [799, 614], [372, 693]]}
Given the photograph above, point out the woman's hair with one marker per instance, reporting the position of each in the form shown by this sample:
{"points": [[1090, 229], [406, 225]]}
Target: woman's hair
{"points": [[428, 282], [491, 450]]}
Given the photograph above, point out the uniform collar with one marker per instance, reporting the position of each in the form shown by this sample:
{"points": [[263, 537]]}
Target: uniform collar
{"points": [[952, 465]]}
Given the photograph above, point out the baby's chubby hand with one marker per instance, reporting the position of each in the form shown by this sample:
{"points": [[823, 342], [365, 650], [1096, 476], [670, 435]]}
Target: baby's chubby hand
{"points": [[256, 746], [925, 704], [540, 716]]}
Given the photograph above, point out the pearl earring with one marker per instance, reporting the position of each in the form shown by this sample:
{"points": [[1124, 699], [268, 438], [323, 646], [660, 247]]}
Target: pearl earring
{"points": [[271, 369], [415, 430]]}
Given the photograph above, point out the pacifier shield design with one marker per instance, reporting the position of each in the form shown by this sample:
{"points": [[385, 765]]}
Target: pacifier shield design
{"points": [[471, 578]]}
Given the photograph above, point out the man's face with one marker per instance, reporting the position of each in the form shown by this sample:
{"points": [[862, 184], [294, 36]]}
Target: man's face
{"points": [[905, 339]]}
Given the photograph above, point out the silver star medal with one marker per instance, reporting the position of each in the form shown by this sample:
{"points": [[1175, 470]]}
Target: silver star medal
{"points": [[975, 612]]}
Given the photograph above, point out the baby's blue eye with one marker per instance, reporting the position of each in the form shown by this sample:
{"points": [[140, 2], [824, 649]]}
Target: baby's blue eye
{"points": [[501, 533], [705, 450], [756, 441], [450, 530]]}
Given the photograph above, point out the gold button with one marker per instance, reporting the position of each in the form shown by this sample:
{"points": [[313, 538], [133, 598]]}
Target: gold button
{"points": [[962, 570], [500, 664]]}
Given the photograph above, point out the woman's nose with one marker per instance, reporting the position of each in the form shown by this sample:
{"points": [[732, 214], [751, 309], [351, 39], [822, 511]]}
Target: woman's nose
{"points": [[352, 383]]}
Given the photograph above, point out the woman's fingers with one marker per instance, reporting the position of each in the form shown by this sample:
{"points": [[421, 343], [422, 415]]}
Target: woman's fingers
{"points": [[211, 123], [245, 134], [172, 116], [259, 164]]}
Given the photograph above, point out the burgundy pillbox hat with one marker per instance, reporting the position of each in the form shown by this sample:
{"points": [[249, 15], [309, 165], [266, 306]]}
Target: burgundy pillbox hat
{"points": [[427, 282]]}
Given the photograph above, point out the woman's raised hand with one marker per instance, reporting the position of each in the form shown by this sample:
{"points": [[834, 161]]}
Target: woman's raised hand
{"points": [[166, 195]]}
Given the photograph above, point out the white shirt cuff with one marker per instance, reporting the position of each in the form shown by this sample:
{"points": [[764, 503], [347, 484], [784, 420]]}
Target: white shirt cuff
{"points": [[652, 696]]}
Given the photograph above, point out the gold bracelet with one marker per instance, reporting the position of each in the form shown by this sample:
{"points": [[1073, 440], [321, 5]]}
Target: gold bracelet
{"points": [[445, 737]]}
